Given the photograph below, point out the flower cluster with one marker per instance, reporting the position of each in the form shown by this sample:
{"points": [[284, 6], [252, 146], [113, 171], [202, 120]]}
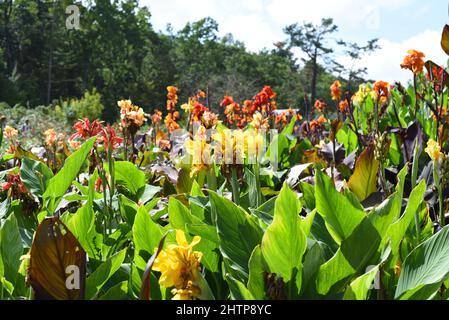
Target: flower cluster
{"points": [[172, 98], [132, 117], [180, 268], [14, 184], [414, 61], [336, 91], [381, 91]]}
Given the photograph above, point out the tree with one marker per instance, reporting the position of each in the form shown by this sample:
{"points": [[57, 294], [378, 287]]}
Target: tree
{"points": [[312, 40], [355, 52]]}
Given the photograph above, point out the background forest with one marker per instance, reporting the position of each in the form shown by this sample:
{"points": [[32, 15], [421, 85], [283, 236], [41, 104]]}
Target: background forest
{"points": [[116, 54]]}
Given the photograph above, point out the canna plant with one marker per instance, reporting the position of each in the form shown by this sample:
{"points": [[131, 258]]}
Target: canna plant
{"points": [[339, 204]]}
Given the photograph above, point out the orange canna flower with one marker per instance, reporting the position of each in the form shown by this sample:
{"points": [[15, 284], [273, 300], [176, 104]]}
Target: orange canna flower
{"points": [[335, 90], [322, 120], [343, 106], [320, 105], [172, 97], [156, 117], [381, 91], [414, 61]]}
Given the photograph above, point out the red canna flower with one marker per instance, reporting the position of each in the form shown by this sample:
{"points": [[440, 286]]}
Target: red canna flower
{"points": [[85, 129], [110, 138], [14, 182]]}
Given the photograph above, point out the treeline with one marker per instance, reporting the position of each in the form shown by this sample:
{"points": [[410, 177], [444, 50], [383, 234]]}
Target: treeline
{"points": [[117, 52]]}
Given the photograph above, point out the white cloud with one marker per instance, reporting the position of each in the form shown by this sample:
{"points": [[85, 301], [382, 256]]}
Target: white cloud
{"points": [[259, 24], [385, 63]]}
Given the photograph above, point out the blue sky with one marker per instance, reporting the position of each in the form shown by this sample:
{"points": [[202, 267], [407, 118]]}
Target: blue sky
{"points": [[399, 24]]}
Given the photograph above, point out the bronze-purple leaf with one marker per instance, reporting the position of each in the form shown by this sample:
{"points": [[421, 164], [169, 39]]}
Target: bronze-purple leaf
{"points": [[57, 268]]}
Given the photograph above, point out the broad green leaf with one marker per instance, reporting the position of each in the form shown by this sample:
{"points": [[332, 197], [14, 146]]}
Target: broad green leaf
{"points": [[427, 264], [339, 213], [59, 184], [284, 242], [238, 289], [146, 237], [103, 273], [82, 225], [359, 288], [11, 248], [238, 232], [129, 176], [35, 176], [256, 281], [181, 218], [353, 256], [363, 181], [117, 292], [398, 229]]}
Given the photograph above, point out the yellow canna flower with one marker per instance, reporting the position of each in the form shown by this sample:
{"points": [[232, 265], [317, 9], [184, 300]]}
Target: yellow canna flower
{"points": [[433, 150], [259, 122], [360, 96], [180, 267]]}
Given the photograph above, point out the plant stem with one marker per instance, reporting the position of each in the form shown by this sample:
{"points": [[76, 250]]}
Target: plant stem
{"points": [[436, 177], [235, 186]]}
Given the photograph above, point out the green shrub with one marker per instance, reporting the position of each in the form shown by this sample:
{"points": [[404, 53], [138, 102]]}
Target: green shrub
{"points": [[89, 106]]}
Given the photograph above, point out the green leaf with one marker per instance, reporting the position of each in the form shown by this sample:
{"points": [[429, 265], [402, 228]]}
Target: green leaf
{"points": [[339, 213], [59, 184], [359, 288], [35, 176], [256, 281], [427, 264], [398, 229], [238, 289], [103, 273], [284, 242], [11, 248], [146, 237], [363, 181], [238, 232], [82, 225], [117, 292], [129, 176]]}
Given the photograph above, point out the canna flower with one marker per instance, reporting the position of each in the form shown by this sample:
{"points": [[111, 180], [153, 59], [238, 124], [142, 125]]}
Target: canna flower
{"points": [[110, 138], [15, 184], [335, 90], [343, 106], [10, 132], [74, 144], [381, 91], [156, 117], [85, 129], [281, 119], [360, 96], [180, 267], [50, 137], [414, 61], [254, 145], [172, 97], [131, 116], [170, 123], [209, 119], [322, 120], [320, 105], [259, 122], [230, 146], [433, 150]]}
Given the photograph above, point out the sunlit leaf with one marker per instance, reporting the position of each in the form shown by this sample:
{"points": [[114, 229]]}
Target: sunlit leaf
{"points": [[57, 263]]}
